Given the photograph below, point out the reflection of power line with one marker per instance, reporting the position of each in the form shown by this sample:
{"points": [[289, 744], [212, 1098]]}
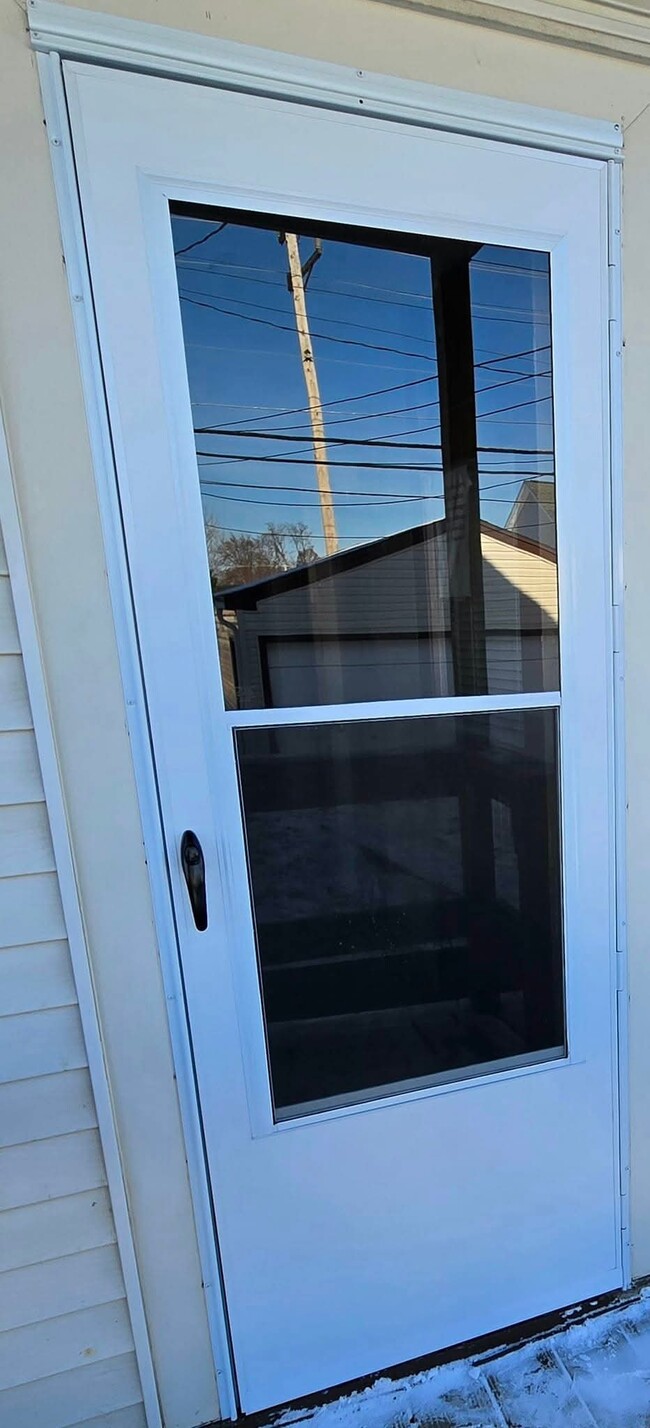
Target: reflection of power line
{"points": [[332, 420], [365, 441], [192, 293], [369, 416], [322, 336], [245, 351], [391, 297], [359, 417], [366, 466], [353, 505], [515, 407], [198, 241], [333, 321], [358, 497], [514, 477], [270, 415], [373, 536], [435, 426], [495, 411], [355, 397], [301, 505], [221, 458]]}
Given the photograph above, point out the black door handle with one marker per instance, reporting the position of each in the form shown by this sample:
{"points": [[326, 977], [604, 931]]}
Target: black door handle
{"points": [[194, 869]]}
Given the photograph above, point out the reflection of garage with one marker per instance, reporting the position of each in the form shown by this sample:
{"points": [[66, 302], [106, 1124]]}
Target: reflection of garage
{"points": [[322, 633], [300, 671]]}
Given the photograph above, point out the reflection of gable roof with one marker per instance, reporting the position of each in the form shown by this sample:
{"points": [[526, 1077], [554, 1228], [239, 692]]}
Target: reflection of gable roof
{"points": [[544, 491], [247, 597], [541, 491]]}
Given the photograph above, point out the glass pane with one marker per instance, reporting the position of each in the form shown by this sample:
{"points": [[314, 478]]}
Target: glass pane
{"points": [[406, 893], [374, 433]]}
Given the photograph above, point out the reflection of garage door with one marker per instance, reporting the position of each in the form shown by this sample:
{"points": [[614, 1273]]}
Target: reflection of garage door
{"points": [[334, 671]]}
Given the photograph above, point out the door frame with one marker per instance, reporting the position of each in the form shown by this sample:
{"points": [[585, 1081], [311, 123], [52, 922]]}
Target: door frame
{"points": [[241, 67]]}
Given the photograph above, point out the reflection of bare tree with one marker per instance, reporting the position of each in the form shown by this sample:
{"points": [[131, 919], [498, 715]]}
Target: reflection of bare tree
{"points": [[236, 558]]}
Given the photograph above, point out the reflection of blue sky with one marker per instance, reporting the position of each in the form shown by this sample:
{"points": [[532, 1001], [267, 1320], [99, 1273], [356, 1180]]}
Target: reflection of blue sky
{"points": [[371, 317]]}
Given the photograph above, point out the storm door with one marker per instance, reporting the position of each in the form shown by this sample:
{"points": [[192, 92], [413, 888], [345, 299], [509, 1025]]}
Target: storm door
{"points": [[356, 382]]}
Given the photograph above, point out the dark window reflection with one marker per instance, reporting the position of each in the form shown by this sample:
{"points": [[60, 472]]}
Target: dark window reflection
{"points": [[406, 890], [374, 433]]}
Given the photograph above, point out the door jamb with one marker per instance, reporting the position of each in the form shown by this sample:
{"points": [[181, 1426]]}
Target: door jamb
{"points": [[90, 362], [70, 218], [617, 691]]}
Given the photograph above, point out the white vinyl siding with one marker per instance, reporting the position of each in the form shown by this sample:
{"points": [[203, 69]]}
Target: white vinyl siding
{"points": [[66, 1348], [400, 594]]}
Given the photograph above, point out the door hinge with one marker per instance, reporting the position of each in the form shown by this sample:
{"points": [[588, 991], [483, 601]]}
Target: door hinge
{"points": [[620, 972], [625, 1202], [617, 629], [614, 294]]}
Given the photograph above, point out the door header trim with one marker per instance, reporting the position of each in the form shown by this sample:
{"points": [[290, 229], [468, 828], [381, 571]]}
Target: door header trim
{"points": [[132, 44]]}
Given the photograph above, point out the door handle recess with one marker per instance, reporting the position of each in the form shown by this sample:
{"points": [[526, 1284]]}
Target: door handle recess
{"points": [[193, 864]]}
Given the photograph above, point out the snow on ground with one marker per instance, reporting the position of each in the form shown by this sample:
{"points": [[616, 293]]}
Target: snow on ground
{"points": [[595, 1372]]}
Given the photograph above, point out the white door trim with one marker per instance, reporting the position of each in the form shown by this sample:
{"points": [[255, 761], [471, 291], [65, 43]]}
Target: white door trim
{"points": [[617, 715], [55, 109], [156, 49], [564, 134]]}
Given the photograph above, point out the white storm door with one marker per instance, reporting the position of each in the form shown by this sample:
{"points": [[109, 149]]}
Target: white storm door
{"points": [[356, 376]]}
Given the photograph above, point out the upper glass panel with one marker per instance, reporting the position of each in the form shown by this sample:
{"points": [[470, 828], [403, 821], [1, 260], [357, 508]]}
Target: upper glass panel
{"points": [[374, 434]]}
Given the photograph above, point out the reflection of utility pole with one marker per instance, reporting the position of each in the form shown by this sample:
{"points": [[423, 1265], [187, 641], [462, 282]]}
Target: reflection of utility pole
{"points": [[296, 281]]}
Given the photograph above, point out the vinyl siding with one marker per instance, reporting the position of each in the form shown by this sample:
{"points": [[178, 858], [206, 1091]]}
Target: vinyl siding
{"points": [[66, 1348], [397, 595]]}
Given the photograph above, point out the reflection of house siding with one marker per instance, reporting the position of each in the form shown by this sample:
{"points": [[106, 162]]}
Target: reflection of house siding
{"points": [[389, 612]]}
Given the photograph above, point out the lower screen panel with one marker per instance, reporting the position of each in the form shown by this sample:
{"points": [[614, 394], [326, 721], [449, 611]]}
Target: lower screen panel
{"points": [[406, 888]]}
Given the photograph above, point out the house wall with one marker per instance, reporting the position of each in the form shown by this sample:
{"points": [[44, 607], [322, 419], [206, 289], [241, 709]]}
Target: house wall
{"points": [[66, 1347], [41, 394]]}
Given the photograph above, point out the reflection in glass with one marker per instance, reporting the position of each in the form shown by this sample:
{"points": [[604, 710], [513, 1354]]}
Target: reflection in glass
{"points": [[405, 881], [373, 423]]}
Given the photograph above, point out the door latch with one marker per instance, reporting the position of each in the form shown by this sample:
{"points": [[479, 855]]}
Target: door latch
{"points": [[193, 864]]}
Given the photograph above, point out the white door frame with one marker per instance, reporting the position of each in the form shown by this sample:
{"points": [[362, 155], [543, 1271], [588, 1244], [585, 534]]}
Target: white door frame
{"points": [[240, 67]]}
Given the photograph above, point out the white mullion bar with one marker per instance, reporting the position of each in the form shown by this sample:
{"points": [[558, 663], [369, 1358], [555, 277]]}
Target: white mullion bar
{"points": [[390, 709]]}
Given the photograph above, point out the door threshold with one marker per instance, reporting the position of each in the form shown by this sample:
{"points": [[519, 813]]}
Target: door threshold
{"points": [[480, 1351]]}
